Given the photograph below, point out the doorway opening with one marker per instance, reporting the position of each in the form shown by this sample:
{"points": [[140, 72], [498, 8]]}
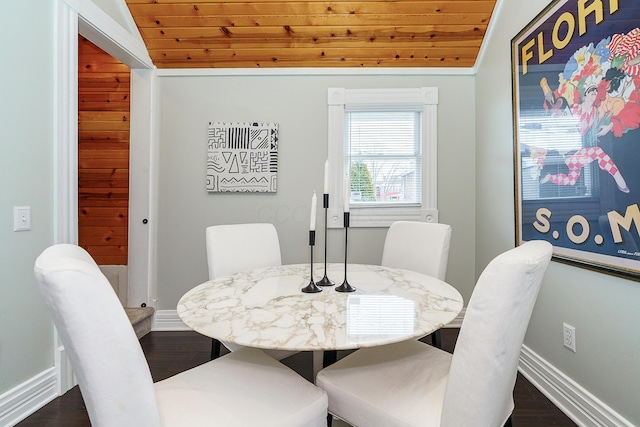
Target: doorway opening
{"points": [[103, 161]]}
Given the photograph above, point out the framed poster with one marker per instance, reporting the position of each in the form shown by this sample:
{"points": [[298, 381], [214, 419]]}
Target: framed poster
{"points": [[576, 92], [242, 157]]}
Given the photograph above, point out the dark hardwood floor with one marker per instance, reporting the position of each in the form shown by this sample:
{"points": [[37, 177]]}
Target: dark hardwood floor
{"points": [[169, 353]]}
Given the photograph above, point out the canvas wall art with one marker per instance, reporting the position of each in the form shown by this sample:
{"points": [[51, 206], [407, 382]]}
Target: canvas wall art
{"points": [[242, 157]]}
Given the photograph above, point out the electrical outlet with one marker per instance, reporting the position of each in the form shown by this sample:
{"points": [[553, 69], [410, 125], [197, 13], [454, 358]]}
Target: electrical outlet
{"points": [[569, 336]]}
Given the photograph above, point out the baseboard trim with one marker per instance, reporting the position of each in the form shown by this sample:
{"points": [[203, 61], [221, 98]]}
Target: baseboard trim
{"points": [[577, 403], [457, 322], [168, 320], [25, 399], [66, 379]]}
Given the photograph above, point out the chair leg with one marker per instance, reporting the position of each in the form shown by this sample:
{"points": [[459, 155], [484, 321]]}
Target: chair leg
{"points": [[436, 339], [318, 362], [215, 348], [330, 357], [509, 423], [329, 420]]}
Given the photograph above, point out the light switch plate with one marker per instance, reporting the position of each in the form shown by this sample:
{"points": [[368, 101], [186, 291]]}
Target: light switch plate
{"points": [[21, 218]]}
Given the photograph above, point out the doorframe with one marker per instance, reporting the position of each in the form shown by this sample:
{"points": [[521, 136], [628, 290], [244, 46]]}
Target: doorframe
{"points": [[73, 17], [142, 195]]}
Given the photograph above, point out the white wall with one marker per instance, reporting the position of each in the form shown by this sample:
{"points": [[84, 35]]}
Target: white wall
{"points": [[299, 104], [602, 308], [26, 157], [117, 9]]}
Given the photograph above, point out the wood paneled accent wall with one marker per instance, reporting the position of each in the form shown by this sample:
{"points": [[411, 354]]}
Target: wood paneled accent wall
{"points": [[103, 154]]}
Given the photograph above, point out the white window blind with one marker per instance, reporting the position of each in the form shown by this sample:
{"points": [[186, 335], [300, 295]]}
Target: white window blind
{"points": [[383, 155]]}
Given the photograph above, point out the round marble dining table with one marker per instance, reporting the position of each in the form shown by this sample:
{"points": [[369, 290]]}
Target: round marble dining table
{"points": [[265, 308]]}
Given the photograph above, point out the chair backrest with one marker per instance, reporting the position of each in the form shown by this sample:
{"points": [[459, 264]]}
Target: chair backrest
{"points": [[418, 246], [102, 346], [485, 360], [241, 247]]}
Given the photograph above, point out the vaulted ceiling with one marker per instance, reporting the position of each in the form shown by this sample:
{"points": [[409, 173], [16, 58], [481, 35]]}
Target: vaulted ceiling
{"points": [[294, 33]]}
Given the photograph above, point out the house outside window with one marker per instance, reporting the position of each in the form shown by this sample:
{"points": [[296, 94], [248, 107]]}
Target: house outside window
{"points": [[385, 142]]}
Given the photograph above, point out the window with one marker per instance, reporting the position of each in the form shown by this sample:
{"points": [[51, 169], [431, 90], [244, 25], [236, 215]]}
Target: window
{"points": [[384, 140], [383, 152]]}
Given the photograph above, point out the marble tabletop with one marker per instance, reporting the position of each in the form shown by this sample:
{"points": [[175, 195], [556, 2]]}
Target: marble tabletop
{"points": [[265, 308]]}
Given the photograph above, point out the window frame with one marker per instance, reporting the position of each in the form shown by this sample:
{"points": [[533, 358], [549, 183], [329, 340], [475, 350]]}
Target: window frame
{"points": [[382, 216]]}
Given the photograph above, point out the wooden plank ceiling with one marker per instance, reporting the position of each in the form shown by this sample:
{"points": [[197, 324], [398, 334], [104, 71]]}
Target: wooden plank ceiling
{"points": [[294, 33]]}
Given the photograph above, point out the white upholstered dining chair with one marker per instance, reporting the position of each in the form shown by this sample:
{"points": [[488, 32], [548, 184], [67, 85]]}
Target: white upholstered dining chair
{"points": [[413, 384], [233, 248], [244, 388], [418, 246]]}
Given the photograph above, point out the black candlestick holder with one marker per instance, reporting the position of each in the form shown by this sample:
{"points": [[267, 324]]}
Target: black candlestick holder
{"points": [[312, 288], [325, 281], [345, 287]]}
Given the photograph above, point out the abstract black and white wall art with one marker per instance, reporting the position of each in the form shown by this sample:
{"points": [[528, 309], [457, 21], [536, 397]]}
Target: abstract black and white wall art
{"points": [[242, 157]]}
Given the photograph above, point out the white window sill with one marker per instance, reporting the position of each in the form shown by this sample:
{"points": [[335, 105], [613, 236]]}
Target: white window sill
{"points": [[380, 217]]}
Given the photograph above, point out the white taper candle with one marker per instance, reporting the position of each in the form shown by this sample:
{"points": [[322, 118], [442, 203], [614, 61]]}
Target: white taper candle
{"points": [[326, 177], [314, 202], [347, 192]]}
